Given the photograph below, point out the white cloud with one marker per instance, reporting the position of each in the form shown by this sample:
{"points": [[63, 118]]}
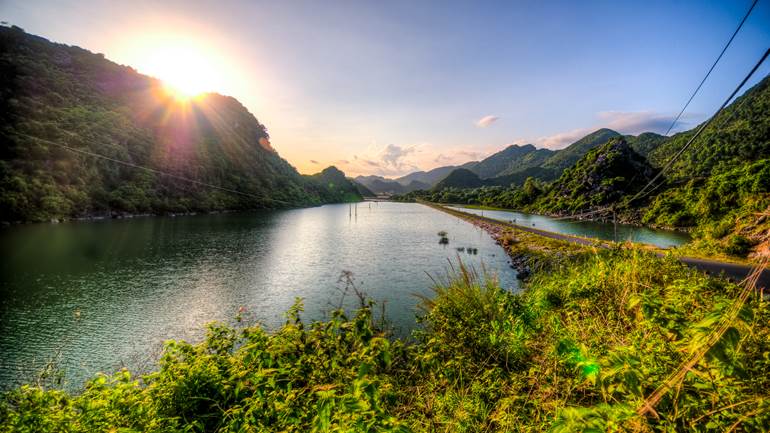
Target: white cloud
{"points": [[563, 139], [624, 122], [637, 122], [486, 121], [397, 160]]}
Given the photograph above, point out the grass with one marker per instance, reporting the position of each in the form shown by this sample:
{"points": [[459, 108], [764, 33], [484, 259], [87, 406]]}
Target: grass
{"points": [[579, 350]]}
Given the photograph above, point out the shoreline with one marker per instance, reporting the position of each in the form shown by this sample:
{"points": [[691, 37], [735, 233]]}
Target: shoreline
{"points": [[127, 215], [527, 250]]}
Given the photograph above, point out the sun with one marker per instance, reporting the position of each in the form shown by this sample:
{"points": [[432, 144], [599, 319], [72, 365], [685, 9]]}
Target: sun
{"points": [[184, 69]]}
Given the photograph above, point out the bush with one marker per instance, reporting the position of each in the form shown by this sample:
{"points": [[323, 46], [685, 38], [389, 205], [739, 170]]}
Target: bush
{"points": [[579, 350]]}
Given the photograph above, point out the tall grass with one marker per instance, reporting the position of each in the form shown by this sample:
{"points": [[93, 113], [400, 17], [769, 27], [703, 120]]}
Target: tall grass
{"points": [[582, 348]]}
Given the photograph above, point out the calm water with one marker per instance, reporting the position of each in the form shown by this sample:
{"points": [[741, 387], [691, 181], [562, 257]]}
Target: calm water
{"points": [[591, 229], [106, 294]]}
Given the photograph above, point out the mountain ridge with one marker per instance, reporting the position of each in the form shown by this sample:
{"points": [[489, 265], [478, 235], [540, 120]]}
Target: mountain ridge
{"points": [[56, 93]]}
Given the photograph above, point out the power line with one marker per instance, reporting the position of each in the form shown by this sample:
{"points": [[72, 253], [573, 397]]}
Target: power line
{"points": [[712, 67], [643, 192], [152, 170]]}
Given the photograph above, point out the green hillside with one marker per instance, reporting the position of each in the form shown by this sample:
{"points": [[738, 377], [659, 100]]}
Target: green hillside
{"points": [[568, 156], [605, 175], [334, 187], [459, 178], [512, 159], [715, 190], [645, 143], [55, 95]]}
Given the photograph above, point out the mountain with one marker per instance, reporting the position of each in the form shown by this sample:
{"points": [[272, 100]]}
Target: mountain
{"points": [[362, 189], [740, 134], [645, 143], [335, 187], [381, 185], [459, 178], [67, 114], [722, 182], [515, 163], [518, 178], [416, 185], [429, 178], [512, 159], [568, 156], [604, 175], [534, 159]]}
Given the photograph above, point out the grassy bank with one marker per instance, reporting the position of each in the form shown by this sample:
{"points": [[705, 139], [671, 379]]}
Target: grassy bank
{"points": [[579, 350]]}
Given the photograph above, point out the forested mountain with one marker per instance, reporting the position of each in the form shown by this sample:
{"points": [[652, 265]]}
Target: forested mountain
{"points": [[512, 159], [55, 95], [646, 142], [362, 189], [741, 133], [380, 185], [604, 175], [719, 189], [430, 177], [721, 184], [515, 163], [460, 178], [334, 187], [568, 156]]}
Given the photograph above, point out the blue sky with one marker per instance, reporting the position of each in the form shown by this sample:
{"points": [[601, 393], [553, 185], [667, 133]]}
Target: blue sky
{"points": [[389, 87]]}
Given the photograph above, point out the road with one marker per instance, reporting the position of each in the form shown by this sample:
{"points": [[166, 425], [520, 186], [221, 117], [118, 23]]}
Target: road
{"points": [[733, 271]]}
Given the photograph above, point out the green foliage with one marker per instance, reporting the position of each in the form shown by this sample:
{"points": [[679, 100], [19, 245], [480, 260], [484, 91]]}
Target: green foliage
{"points": [[605, 175], [578, 350], [723, 208], [510, 160], [334, 187], [54, 93], [459, 178], [568, 156], [336, 375]]}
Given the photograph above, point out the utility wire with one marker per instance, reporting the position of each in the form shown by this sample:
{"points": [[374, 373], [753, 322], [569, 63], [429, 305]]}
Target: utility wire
{"points": [[700, 129], [643, 192], [712, 67], [152, 170]]}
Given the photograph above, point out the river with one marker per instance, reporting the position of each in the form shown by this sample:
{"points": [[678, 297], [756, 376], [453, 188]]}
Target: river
{"points": [[96, 296], [590, 229]]}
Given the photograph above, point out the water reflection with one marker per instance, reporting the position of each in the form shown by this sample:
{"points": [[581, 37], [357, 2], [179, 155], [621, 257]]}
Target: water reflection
{"points": [[108, 293]]}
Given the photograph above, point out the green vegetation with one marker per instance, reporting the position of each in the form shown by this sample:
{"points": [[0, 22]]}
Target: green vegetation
{"points": [[510, 160], [604, 176], [336, 188], [579, 350], [715, 190], [571, 154], [459, 178], [56, 94], [723, 208]]}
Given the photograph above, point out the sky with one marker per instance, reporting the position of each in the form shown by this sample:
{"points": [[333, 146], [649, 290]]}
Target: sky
{"points": [[390, 87]]}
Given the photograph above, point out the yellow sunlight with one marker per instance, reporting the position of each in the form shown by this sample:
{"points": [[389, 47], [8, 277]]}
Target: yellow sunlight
{"points": [[185, 69]]}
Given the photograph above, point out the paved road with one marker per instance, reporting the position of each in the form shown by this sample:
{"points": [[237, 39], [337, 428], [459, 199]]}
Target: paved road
{"points": [[733, 271]]}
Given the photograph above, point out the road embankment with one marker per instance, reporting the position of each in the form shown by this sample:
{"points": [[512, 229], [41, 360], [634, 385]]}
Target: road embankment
{"points": [[551, 241]]}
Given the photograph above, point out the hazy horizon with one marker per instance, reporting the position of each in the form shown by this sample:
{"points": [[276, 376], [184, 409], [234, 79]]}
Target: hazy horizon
{"points": [[392, 89]]}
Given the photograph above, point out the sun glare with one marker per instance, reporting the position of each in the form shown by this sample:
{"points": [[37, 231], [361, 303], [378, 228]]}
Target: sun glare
{"points": [[185, 70]]}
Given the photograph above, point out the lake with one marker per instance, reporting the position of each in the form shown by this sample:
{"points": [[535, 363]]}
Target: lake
{"points": [[99, 295], [590, 229]]}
